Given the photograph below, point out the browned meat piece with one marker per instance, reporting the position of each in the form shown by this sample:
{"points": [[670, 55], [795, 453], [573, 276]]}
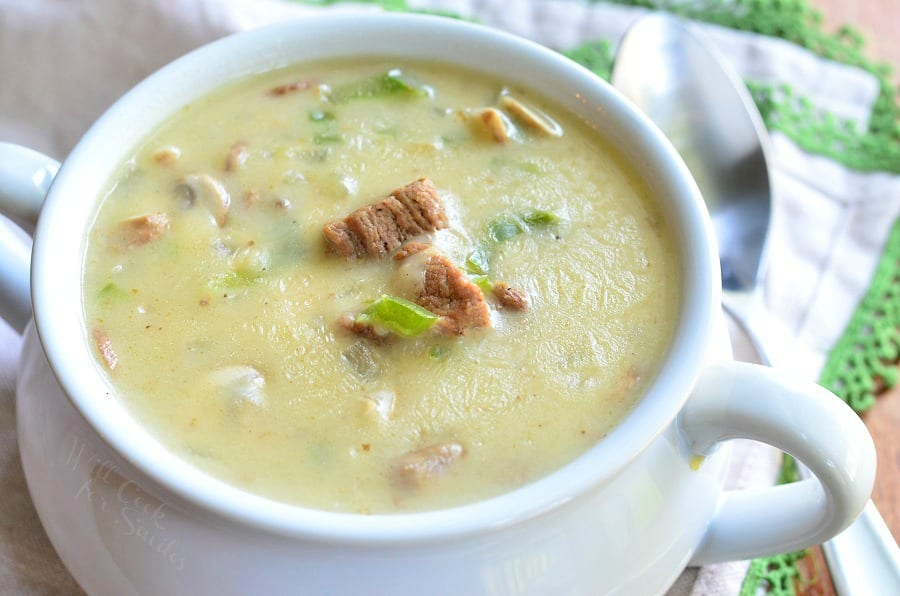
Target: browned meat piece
{"points": [[290, 88], [381, 227], [167, 155], [104, 346], [510, 297], [409, 249], [415, 468], [624, 384], [251, 198], [236, 157], [137, 231], [349, 323], [448, 292], [342, 240]]}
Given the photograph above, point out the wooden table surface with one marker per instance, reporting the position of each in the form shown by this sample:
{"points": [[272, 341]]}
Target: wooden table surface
{"points": [[879, 22]]}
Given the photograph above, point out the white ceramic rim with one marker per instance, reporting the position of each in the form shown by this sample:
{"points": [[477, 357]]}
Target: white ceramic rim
{"points": [[70, 205]]}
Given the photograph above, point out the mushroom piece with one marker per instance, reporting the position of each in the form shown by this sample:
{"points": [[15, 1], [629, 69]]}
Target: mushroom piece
{"points": [[529, 116], [493, 122], [204, 189]]}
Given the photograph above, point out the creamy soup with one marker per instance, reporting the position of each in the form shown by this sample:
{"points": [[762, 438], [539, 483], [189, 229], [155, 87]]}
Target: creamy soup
{"points": [[378, 286]]}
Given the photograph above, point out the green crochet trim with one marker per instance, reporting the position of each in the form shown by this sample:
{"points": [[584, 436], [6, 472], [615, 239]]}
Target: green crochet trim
{"points": [[775, 576], [863, 362], [820, 132], [596, 56]]}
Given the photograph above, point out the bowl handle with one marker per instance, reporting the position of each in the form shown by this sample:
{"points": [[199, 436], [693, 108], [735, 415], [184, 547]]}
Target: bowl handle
{"points": [[25, 177], [739, 400]]}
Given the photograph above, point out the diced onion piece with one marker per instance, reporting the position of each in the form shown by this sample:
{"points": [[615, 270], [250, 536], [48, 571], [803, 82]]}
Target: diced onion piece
{"points": [[240, 384], [393, 82], [478, 261], [505, 227], [380, 405], [537, 217], [360, 360], [483, 282], [398, 315], [321, 116]]}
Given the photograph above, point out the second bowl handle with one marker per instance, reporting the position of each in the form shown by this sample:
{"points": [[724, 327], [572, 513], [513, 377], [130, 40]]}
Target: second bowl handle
{"points": [[25, 177], [739, 400]]}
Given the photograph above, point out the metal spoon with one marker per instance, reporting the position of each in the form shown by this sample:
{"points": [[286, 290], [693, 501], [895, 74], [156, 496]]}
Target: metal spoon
{"points": [[706, 112]]}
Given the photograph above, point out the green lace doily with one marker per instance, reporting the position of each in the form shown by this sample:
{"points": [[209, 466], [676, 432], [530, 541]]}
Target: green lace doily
{"points": [[864, 359]]}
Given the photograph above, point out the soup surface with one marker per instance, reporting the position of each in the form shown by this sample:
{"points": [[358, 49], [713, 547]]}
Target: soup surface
{"points": [[252, 346]]}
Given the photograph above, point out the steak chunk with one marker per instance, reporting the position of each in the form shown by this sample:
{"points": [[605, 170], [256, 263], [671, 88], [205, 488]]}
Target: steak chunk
{"points": [[380, 228], [448, 292], [409, 249], [349, 323]]}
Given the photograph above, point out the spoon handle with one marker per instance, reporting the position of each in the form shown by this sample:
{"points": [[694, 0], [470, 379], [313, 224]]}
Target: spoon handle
{"points": [[769, 337], [864, 559]]}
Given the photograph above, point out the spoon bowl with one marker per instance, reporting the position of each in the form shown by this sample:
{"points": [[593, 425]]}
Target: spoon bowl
{"points": [[709, 116]]}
